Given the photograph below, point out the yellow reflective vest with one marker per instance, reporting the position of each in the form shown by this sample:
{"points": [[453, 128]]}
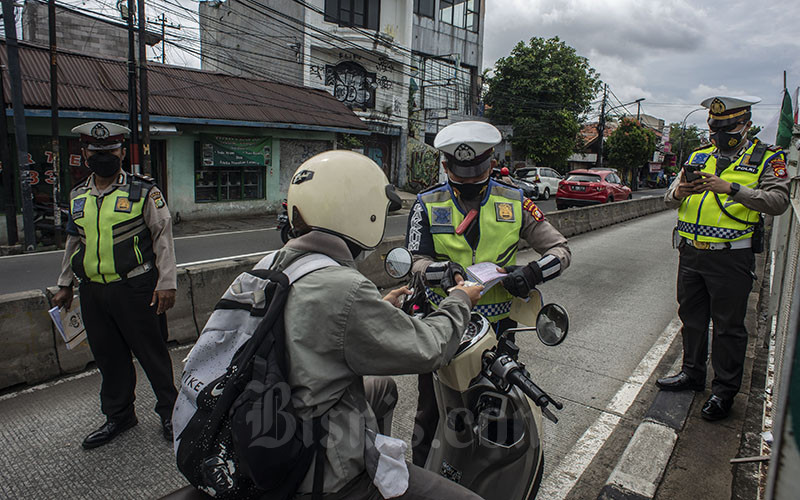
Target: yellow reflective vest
{"points": [[700, 217], [114, 236], [500, 224]]}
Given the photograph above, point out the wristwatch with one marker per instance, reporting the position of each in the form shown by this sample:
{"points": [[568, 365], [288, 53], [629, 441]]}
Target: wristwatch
{"points": [[734, 189]]}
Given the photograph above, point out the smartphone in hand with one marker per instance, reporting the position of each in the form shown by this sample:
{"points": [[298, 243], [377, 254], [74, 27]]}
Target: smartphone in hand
{"points": [[690, 172]]}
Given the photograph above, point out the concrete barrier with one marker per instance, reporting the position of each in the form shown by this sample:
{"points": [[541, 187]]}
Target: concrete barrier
{"points": [[32, 353], [28, 353]]}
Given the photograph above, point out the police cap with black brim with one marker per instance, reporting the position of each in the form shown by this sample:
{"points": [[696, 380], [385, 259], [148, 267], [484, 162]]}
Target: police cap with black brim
{"points": [[101, 136], [468, 147], [724, 111]]}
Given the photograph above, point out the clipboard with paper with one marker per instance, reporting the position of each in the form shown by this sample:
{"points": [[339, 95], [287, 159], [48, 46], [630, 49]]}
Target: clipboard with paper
{"points": [[69, 323]]}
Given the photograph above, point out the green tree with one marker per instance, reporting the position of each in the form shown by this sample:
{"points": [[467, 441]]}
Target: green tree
{"points": [[753, 132], [542, 89], [692, 139], [630, 146]]}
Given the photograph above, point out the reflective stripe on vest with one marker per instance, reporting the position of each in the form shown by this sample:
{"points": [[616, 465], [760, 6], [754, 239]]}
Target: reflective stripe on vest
{"points": [[700, 217], [500, 224], [114, 237]]}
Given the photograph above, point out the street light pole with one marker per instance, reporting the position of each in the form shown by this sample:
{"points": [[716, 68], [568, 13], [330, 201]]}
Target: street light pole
{"points": [[683, 132]]}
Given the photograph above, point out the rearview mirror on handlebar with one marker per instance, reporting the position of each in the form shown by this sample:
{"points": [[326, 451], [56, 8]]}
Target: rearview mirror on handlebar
{"points": [[398, 263], [552, 324]]}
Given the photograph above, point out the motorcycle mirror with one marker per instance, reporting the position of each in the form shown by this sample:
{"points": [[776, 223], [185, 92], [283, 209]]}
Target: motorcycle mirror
{"points": [[398, 263], [552, 324]]}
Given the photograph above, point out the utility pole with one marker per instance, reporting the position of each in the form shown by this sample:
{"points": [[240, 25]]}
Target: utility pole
{"points": [[20, 132], [8, 173], [601, 126], [51, 10], [163, 19], [133, 114], [143, 92]]}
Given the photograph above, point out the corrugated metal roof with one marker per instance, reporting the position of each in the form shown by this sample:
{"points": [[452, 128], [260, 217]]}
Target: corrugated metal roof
{"points": [[92, 84]]}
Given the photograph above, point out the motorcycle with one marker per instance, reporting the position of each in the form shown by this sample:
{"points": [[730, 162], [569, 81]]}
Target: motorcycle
{"points": [[283, 223], [43, 220], [489, 435]]}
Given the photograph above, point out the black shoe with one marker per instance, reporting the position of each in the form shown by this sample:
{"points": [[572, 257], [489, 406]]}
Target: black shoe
{"points": [[107, 432], [716, 408], [166, 426], [680, 382]]}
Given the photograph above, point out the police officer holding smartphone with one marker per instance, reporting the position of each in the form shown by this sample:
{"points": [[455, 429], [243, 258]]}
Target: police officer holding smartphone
{"points": [[720, 195], [119, 246]]}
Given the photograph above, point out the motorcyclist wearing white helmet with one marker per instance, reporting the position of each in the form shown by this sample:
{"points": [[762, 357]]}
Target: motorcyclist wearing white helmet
{"points": [[339, 332]]}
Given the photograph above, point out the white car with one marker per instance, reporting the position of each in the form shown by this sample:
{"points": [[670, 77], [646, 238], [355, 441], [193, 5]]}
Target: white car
{"points": [[546, 179]]}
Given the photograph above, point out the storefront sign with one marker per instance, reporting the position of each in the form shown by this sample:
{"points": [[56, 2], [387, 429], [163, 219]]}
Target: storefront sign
{"points": [[234, 151]]}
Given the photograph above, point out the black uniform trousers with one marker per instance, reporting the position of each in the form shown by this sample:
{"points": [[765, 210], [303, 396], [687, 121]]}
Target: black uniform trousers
{"points": [[715, 285], [427, 416], [119, 321]]}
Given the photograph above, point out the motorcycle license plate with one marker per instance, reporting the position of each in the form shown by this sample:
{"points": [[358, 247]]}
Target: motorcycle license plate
{"points": [[579, 188]]}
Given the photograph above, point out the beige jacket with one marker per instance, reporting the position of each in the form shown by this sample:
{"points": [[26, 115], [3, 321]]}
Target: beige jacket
{"points": [[339, 329]]}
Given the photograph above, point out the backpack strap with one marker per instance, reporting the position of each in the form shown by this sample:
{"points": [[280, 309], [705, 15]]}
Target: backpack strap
{"points": [[308, 264]]}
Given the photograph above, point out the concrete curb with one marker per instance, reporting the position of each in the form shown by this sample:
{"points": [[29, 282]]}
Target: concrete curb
{"points": [[642, 465]]}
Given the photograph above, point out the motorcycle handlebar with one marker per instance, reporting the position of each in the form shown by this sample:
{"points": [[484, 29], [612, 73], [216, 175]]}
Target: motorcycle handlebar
{"points": [[531, 390]]}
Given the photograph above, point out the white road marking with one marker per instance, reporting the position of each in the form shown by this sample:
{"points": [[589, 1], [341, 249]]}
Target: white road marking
{"points": [[60, 381], [206, 235], [218, 259], [565, 476]]}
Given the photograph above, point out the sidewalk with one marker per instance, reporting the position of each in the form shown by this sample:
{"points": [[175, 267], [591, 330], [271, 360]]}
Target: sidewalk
{"points": [[677, 455]]}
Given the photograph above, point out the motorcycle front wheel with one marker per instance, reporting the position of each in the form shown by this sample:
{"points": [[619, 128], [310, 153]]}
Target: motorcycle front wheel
{"points": [[285, 236]]}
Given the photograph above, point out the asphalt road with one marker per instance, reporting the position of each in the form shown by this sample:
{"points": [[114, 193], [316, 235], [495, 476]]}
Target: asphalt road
{"points": [[40, 270], [620, 294]]}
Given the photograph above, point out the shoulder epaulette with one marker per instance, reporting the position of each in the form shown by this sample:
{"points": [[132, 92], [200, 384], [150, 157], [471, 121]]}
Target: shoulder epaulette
{"points": [[433, 188], [705, 146], [81, 185], [144, 178]]}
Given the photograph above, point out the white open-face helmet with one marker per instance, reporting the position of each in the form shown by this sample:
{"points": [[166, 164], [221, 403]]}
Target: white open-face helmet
{"points": [[343, 193]]}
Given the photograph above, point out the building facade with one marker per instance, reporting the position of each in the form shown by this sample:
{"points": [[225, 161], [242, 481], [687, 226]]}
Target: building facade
{"points": [[407, 68], [79, 31]]}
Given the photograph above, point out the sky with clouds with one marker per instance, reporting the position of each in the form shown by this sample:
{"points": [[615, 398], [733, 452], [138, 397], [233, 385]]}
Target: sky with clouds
{"points": [[674, 53]]}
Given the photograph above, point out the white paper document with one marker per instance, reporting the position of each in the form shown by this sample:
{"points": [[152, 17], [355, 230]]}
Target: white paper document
{"points": [[69, 323], [484, 273]]}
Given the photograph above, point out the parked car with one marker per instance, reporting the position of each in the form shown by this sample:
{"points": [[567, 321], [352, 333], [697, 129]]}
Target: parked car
{"points": [[546, 179], [529, 189], [590, 187]]}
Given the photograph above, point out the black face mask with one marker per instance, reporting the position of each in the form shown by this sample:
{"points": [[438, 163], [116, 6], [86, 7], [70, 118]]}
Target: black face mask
{"points": [[104, 164], [726, 141], [470, 191]]}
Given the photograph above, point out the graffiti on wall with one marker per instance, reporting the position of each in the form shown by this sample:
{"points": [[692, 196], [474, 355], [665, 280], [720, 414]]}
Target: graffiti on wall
{"points": [[293, 153], [352, 84], [423, 165]]}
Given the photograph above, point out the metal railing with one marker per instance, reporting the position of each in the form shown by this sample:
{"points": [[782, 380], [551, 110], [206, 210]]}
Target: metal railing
{"points": [[783, 479]]}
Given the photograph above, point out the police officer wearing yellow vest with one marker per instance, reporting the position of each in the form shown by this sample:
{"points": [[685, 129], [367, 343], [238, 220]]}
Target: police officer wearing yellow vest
{"points": [[719, 229], [119, 246], [471, 219]]}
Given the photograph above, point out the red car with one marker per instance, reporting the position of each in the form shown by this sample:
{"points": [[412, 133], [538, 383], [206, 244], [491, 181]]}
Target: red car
{"points": [[590, 187]]}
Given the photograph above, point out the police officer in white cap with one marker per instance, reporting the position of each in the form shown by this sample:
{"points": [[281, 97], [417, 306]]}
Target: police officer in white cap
{"points": [[720, 195], [119, 246], [471, 219]]}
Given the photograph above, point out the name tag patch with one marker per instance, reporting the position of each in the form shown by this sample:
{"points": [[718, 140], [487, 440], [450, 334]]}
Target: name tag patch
{"points": [[77, 208], [746, 168], [504, 212], [123, 205], [442, 216], [441, 229]]}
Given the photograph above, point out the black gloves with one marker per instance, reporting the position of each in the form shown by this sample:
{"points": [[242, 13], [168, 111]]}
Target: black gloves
{"points": [[522, 279], [442, 274]]}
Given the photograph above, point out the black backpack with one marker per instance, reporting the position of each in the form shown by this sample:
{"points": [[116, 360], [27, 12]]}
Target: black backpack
{"points": [[237, 433]]}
